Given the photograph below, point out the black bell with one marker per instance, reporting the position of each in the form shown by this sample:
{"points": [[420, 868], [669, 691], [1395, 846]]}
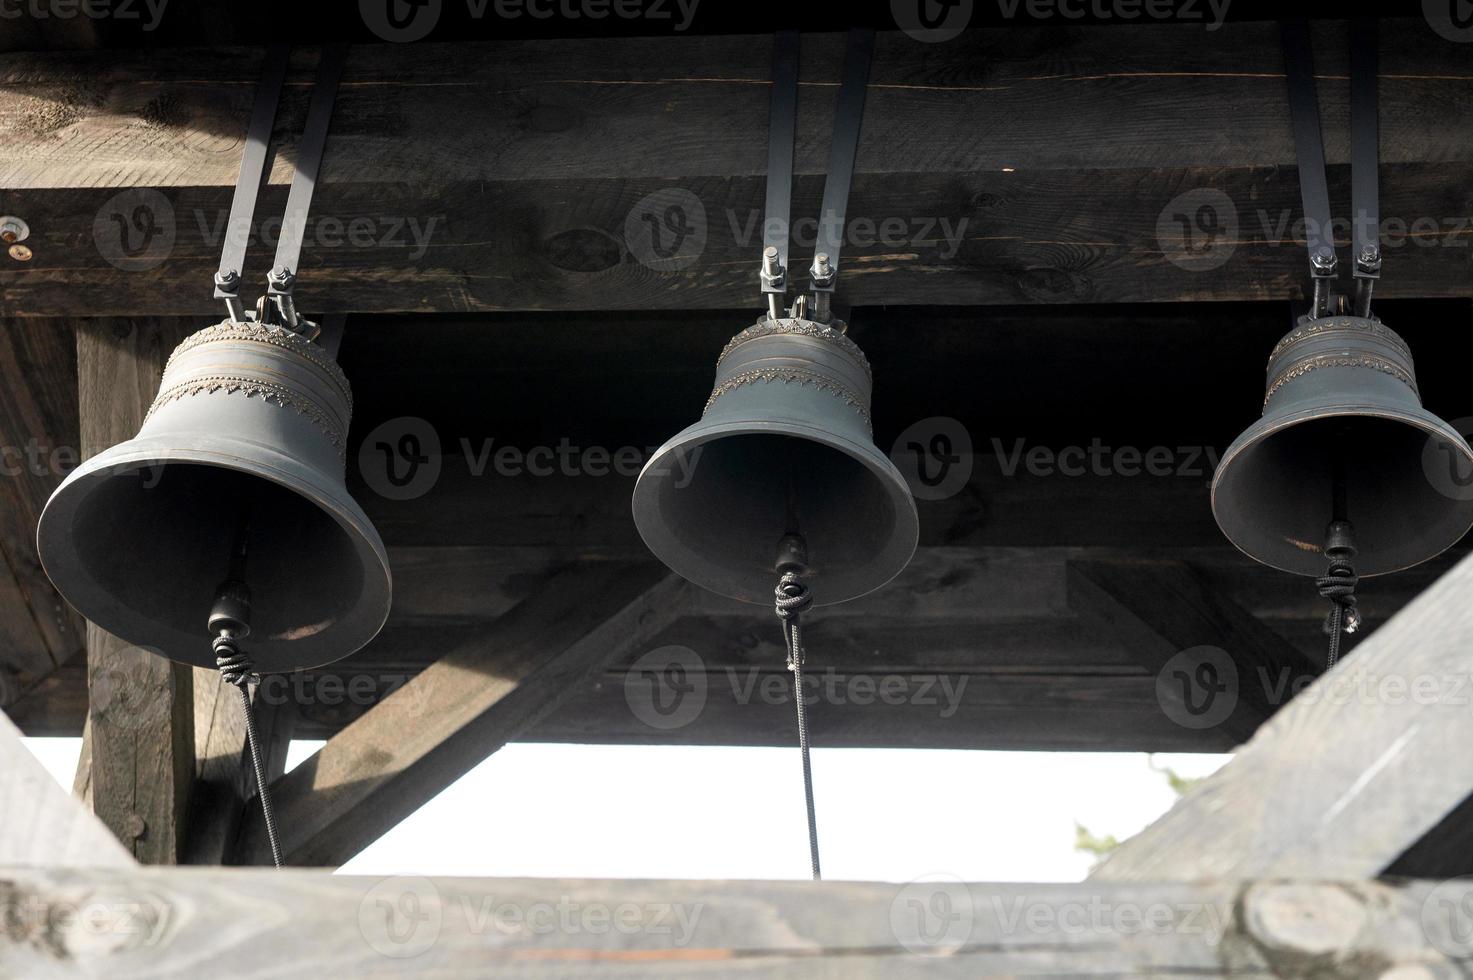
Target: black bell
{"points": [[1342, 418], [784, 447]]}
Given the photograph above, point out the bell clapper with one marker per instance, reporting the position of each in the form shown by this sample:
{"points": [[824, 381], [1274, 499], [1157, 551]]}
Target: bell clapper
{"points": [[229, 625], [793, 598], [1339, 581]]}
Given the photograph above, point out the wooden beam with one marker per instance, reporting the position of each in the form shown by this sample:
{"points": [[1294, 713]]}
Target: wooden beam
{"points": [[44, 826], [1051, 164], [1177, 624], [38, 446], [1348, 776], [140, 706], [303, 923], [464, 707]]}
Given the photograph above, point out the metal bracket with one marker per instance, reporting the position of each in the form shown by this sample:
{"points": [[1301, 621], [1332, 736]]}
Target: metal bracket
{"points": [[299, 199], [1365, 191], [782, 128], [253, 163], [824, 272]]}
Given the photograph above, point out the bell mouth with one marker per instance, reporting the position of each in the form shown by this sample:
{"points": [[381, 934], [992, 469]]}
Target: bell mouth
{"points": [[1274, 489], [139, 539], [714, 502]]}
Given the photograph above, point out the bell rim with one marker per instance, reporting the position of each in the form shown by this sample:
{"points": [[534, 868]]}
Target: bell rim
{"points": [[343, 509], [1262, 428], [868, 455]]}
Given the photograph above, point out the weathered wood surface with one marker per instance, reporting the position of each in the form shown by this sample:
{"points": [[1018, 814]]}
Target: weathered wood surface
{"points": [[1349, 775], [43, 825], [468, 704], [141, 710], [38, 446], [518, 175], [1163, 611], [159, 924]]}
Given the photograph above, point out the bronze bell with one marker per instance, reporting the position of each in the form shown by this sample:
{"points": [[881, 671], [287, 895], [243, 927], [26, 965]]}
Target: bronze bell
{"points": [[1343, 428], [242, 454], [784, 447]]}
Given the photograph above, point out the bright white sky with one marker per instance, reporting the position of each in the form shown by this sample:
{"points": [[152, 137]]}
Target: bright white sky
{"points": [[587, 811]]}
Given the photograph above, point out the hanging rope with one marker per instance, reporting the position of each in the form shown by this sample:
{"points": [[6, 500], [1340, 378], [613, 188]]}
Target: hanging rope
{"points": [[237, 670], [793, 598], [1338, 585]]}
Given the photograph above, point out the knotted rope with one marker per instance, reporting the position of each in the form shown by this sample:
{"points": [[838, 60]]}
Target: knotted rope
{"points": [[793, 599]]}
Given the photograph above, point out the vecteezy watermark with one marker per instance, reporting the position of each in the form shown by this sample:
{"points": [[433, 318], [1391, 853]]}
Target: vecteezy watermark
{"points": [[402, 917], [134, 230], [1447, 918], [96, 924], [413, 20], [401, 459], [932, 21], [933, 915], [147, 12], [1448, 470], [1198, 229], [935, 457], [1099, 459], [123, 689], [669, 687], [666, 231], [1198, 688], [666, 687], [1451, 19], [1212, 13], [38, 459], [946, 234], [410, 233]]}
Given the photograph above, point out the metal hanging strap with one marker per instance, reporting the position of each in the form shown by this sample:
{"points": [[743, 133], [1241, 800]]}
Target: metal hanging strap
{"points": [[304, 182], [1310, 154], [248, 184], [1365, 191], [782, 130], [1309, 151], [842, 151], [253, 166]]}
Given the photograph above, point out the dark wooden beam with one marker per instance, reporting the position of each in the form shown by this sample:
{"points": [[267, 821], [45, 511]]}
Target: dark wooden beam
{"points": [[461, 709], [1019, 165], [1348, 776], [1178, 625], [140, 706], [38, 446]]}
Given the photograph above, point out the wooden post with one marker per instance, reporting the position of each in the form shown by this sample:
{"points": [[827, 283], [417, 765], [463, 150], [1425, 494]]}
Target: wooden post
{"points": [[140, 706]]}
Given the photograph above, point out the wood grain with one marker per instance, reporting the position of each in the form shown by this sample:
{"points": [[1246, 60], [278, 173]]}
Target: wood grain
{"points": [[1058, 155], [306, 924], [1348, 776]]}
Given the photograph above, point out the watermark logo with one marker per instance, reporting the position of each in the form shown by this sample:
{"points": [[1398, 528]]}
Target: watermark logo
{"points": [[400, 21], [1448, 470], [122, 690], [135, 230], [666, 231], [933, 915], [148, 12], [401, 917], [935, 457], [1451, 19], [400, 459], [1211, 12], [666, 688], [932, 21], [1198, 230], [1198, 688]]}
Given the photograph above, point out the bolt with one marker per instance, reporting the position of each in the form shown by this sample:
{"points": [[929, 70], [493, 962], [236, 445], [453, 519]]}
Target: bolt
{"points": [[281, 278], [227, 280], [821, 264], [1370, 257], [1323, 259], [13, 229], [20, 253]]}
